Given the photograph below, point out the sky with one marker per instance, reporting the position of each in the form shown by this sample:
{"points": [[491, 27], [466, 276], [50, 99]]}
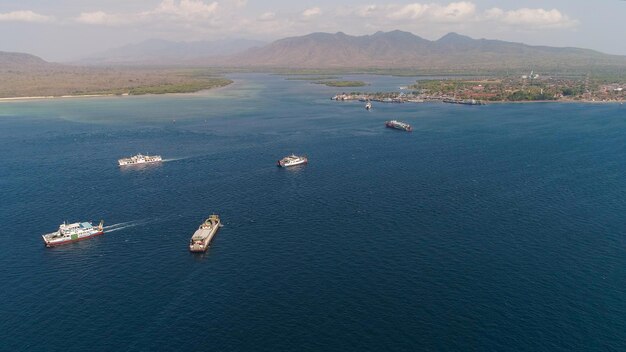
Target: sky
{"points": [[65, 30]]}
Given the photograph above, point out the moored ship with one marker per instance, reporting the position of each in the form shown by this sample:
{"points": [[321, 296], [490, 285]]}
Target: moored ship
{"points": [[292, 160], [464, 101], [140, 159], [68, 233], [204, 234], [399, 125]]}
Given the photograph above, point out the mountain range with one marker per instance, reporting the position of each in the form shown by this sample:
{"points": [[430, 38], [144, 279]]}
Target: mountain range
{"points": [[398, 49], [382, 50]]}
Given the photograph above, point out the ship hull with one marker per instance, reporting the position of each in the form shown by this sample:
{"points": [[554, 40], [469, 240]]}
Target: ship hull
{"points": [[140, 163], [63, 242], [294, 164]]}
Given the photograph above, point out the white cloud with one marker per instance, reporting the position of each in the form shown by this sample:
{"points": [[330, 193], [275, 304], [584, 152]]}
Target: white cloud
{"points": [[313, 11], [494, 13], [531, 17], [410, 11], [185, 9], [368, 10], [228, 17], [267, 16], [460, 13], [100, 18], [24, 16], [452, 12], [456, 11]]}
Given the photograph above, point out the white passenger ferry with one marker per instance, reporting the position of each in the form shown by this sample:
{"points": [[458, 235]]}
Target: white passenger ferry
{"points": [[292, 160], [140, 159]]}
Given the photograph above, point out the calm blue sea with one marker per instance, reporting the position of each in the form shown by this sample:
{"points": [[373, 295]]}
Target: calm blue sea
{"points": [[493, 228]]}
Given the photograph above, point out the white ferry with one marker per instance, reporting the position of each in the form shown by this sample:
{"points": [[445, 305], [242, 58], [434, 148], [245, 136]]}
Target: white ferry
{"points": [[68, 233], [140, 159], [292, 160]]}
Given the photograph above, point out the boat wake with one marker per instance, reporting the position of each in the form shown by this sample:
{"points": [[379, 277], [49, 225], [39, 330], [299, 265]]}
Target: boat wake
{"points": [[175, 159], [124, 225], [119, 228]]}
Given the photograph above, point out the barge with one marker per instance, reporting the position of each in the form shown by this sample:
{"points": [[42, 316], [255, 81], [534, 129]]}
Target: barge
{"points": [[201, 239]]}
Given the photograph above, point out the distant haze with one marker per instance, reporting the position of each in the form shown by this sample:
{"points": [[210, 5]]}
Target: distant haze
{"points": [[381, 50], [158, 51], [68, 30]]}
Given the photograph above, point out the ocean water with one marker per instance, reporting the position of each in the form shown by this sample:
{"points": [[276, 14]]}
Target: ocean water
{"points": [[492, 228]]}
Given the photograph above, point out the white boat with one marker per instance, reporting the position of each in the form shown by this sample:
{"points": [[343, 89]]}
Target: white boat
{"points": [[68, 233], [368, 106], [140, 159], [292, 160]]}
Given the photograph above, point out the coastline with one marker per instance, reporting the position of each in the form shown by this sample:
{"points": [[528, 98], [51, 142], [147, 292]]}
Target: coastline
{"points": [[43, 97], [69, 96], [619, 102], [49, 97], [557, 101]]}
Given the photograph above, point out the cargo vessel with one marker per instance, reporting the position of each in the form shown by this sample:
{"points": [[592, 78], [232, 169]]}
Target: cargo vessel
{"points": [[292, 160], [464, 101], [140, 159], [204, 234], [68, 233], [399, 125]]}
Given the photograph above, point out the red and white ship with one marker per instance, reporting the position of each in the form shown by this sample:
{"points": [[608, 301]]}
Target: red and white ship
{"points": [[68, 233]]}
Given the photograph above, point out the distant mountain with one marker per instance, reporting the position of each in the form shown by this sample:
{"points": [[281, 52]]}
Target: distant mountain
{"points": [[22, 62], [158, 51], [398, 49], [381, 50]]}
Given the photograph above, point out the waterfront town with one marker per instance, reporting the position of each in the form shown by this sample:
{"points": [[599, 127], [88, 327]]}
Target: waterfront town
{"points": [[525, 88]]}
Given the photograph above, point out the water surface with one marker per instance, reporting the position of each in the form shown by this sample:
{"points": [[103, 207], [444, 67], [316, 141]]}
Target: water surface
{"points": [[498, 227]]}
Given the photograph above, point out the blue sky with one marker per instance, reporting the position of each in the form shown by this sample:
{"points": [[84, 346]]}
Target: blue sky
{"points": [[68, 29]]}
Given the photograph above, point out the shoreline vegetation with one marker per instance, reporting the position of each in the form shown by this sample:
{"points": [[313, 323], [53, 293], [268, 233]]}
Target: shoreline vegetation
{"points": [[72, 81], [184, 88], [170, 88]]}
